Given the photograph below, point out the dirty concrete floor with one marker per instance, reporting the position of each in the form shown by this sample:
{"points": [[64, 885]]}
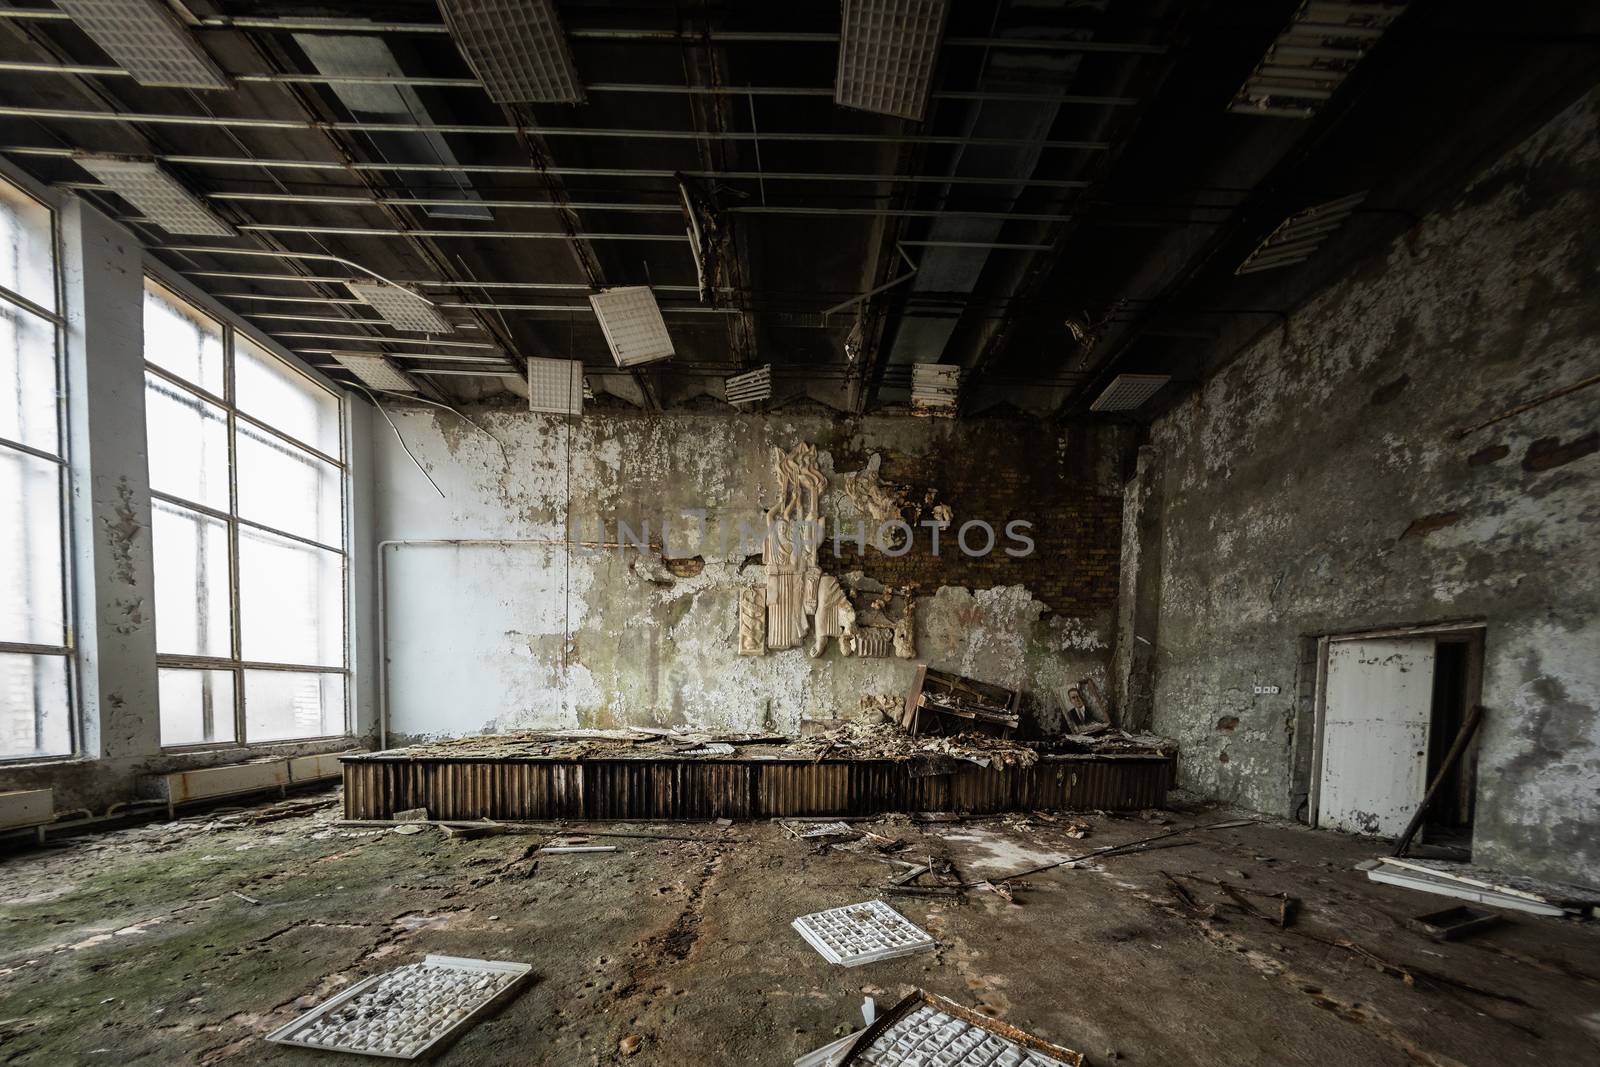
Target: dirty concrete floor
{"points": [[139, 946]]}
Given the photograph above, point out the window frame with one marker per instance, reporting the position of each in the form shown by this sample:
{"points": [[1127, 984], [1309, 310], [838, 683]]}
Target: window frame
{"points": [[235, 663], [62, 460]]}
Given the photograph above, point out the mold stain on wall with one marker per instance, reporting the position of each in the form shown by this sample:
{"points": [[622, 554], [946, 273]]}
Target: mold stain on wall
{"points": [[1330, 479], [512, 636]]}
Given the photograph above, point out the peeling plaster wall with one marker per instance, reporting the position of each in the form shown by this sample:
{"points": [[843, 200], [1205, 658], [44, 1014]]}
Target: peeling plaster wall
{"points": [[478, 634], [1320, 484]]}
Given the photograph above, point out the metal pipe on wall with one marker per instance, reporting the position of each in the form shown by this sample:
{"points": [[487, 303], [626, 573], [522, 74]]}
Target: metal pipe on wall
{"points": [[435, 542]]}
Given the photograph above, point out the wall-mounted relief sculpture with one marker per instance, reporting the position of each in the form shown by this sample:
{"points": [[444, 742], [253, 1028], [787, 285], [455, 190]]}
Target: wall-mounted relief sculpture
{"points": [[753, 620], [869, 642], [905, 633], [832, 613], [878, 501], [793, 533]]}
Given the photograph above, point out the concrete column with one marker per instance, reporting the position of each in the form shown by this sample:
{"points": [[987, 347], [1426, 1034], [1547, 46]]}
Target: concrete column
{"points": [[114, 564], [1139, 598]]}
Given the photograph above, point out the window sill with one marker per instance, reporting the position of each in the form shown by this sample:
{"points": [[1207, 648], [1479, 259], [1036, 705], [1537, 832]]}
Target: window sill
{"points": [[256, 746]]}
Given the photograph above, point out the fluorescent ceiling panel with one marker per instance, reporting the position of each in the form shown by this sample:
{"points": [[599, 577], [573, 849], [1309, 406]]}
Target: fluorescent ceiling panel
{"points": [[158, 195], [399, 306], [1312, 56], [555, 386], [749, 387], [1298, 237], [376, 371], [887, 52], [145, 39], [935, 387], [517, 49], [631, 320], [1128, 391]]}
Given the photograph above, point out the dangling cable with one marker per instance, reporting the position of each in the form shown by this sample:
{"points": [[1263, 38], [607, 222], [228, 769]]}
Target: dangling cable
{"points": [[402, 441]]}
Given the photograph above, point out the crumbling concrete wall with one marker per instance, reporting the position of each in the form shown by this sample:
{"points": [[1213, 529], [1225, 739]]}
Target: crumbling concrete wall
{"points": [[532, 633], [1338, 477]]}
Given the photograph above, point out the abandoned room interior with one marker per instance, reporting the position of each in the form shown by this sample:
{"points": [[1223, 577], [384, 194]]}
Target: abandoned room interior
{"points": [[894, 532]]}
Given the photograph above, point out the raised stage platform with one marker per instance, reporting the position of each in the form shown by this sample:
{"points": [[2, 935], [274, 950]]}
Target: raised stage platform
{"points": [[466, 781]]}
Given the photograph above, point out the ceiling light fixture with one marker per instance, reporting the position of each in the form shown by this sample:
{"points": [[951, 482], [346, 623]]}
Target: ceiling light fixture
{"points": [[1128, 391], [517, 49], [887, 52], [935, 388], [1298, 237], [1310, 59], [631, 320], [145, 39], [159, 196], [375, 371], [749, 387], [402, 308], [555, 386]]}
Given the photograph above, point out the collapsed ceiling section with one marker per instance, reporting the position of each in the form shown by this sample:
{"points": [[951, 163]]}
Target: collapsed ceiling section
{"points": [[753, 204]]}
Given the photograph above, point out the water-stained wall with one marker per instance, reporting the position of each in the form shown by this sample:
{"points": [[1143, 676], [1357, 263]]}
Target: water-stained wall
{"points": [[1340, 476], [533, 632]]}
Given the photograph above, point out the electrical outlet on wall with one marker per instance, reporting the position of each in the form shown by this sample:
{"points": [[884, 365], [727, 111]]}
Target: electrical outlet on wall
{"points": [[1265, 690]]}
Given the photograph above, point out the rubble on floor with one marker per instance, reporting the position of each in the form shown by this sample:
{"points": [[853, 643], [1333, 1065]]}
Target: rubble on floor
{"points": [[1485, 885], [825, 739]]}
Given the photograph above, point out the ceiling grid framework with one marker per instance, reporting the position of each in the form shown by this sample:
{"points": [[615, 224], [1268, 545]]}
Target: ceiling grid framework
{"points": [[1032, 159]]}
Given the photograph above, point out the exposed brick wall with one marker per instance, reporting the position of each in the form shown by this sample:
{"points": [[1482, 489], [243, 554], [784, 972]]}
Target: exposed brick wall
{"points": [[1066, 483]]}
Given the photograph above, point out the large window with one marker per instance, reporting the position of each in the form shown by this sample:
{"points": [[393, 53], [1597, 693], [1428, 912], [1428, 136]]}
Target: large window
{"points": [[247, 478], [36, 717]]}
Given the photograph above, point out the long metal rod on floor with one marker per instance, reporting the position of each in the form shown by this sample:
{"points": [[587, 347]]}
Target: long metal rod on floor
{"points": [[1109, 850]]}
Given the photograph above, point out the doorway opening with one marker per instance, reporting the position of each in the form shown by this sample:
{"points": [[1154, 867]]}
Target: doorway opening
{"points": [[1390, 705]]}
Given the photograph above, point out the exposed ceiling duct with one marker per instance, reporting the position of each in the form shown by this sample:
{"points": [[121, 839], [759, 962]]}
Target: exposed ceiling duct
{"points": [[375, 92], [517, 48], [147, 40]]}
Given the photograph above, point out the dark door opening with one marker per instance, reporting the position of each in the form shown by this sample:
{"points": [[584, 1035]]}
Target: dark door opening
{"points": [[1456, 681]]}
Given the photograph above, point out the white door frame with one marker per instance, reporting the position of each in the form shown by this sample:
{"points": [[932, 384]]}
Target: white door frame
{"points": [[1320, 706]]}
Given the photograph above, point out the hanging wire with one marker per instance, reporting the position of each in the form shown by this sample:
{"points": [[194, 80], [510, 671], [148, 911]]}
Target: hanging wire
{"points": [[462, 415], [402, 440]]}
